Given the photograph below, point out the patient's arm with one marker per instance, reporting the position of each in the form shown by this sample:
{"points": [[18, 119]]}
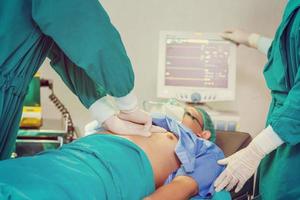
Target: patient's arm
{"points": [[181, 188]]}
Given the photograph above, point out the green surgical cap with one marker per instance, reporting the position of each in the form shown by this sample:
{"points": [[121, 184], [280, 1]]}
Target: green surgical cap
{"points": [[207, 124]]}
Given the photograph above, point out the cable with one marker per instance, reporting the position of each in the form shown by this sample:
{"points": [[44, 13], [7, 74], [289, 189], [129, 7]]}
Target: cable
{"points": [[62, 109]]}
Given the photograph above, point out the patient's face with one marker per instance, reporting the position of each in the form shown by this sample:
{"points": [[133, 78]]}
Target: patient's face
{"points": [[194, 120]]}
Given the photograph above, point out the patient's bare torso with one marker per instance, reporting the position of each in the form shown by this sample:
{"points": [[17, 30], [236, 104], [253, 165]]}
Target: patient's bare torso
{"points": [[159, 148]]}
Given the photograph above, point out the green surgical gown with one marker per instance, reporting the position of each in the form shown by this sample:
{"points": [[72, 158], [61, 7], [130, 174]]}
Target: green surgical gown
{"points": [[84, 48], [279, 176]]}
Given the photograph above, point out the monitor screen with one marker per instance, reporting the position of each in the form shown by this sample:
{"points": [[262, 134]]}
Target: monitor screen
{"points": [[194, 63]]}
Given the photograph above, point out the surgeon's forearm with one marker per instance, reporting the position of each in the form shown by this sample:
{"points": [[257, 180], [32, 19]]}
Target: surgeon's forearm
{"points": [[181, 188]]}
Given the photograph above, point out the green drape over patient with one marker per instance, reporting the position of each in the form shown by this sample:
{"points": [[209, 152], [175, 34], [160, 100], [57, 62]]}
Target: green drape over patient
{"points": [[279, 171], [95, 167], [98, 166], [84, 47]]}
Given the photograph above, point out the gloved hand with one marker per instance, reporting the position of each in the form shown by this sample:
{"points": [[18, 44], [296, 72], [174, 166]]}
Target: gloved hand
{"points": [[243, 164], [129, 111], [123, 127], [240, 167], [131, 120], [137, 116], [141, 117], [241, 37], [92, 127], [101, 110]]}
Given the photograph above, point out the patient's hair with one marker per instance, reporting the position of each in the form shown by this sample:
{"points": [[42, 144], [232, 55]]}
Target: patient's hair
{"points": [[207, 123]]}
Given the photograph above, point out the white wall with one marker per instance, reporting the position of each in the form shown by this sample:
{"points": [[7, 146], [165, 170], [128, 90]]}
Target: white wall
{"points": [[139, 22]]}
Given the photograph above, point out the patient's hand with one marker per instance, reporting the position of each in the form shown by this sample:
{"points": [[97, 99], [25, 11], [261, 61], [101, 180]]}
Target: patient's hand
{"points": [[181, 188]]}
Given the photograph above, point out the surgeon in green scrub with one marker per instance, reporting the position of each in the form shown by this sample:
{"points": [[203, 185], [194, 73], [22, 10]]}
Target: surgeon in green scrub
{"points": [[276, 150], [85, 49]]}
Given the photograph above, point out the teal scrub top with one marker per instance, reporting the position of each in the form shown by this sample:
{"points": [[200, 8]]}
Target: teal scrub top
{"points": [[84, 48], [279, 176]]}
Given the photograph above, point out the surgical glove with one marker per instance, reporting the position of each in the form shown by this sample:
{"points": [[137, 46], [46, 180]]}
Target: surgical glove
{"points": [[123, 127], [243, 164], [91, 128], [236, 36], [102, 109], [137, 116], [240, 167], [128, 102], [241, 37], [129, 110]]}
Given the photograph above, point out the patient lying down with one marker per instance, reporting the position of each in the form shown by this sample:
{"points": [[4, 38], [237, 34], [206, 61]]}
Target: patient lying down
{"points": [[191, 169], [178, 164]]}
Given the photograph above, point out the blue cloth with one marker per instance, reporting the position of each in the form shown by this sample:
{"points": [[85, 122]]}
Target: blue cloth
{"points": [[198, 157]]}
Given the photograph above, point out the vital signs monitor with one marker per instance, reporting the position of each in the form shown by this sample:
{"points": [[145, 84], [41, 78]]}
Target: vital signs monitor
{"points": [[196, 67]]}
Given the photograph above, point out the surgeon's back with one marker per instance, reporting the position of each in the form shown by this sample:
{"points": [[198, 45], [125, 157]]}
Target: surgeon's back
{"points": [[23, 48]]}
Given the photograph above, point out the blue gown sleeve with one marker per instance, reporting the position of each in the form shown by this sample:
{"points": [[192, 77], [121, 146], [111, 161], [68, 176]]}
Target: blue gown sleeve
{"points": [[285, 121], [75, 78], [84, 33]]}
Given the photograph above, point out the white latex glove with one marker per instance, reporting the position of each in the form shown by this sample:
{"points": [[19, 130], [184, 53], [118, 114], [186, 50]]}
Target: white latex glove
{"points": [[141, 117], [137, 116], [240, 167], [123, 127], [241, 37], [243, 164], [102, 109], [91, 127], [94, 127], [129, 111]]}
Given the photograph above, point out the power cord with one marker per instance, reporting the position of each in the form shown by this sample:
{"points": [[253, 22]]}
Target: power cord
{"points": [[62, 109]]}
